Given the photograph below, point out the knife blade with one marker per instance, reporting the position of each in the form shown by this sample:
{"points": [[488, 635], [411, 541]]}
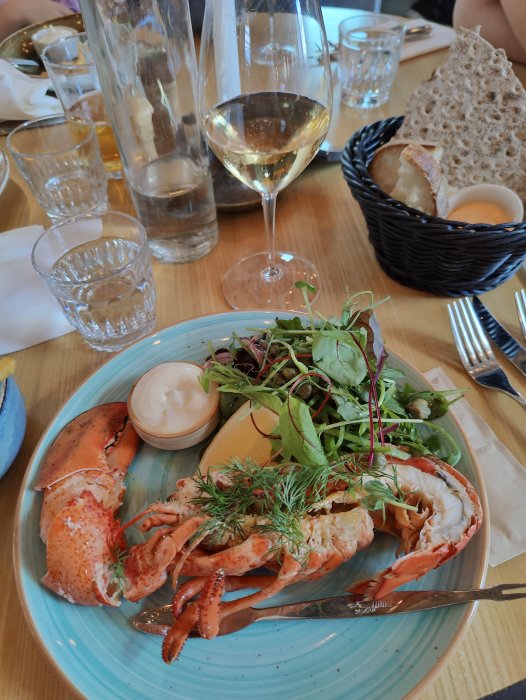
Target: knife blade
{"points": [[159, 620], [512, 349]]}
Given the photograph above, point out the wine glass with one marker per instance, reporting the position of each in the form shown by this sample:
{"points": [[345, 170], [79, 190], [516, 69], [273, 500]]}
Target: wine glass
{"points": [[265, 122], [273, 49]]}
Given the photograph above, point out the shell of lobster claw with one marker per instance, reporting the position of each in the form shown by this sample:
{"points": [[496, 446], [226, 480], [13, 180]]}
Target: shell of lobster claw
{"points": [[82, 478], [81, 551], [93, 452], [449, 514]]}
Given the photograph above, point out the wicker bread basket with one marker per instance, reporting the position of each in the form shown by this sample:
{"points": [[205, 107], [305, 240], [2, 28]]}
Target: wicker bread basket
{"points": [[422, 251]]}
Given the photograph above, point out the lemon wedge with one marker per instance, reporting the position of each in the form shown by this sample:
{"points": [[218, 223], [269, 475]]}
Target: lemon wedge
{"points": [[239, 438]]}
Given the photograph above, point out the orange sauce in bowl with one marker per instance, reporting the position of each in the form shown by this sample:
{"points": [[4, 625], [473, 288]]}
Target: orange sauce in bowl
{"points": [[479, 213]]}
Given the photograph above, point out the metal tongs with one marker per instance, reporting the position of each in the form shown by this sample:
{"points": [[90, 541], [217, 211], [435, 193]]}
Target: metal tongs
{"points": [[159, 620]]}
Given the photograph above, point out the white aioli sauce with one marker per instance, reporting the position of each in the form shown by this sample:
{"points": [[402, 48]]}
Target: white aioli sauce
{"points": [[169, 399]]}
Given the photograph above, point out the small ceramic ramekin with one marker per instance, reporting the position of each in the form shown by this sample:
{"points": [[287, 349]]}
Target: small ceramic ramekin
{"points": [[49, 34], [170, 410], [497, 195]]}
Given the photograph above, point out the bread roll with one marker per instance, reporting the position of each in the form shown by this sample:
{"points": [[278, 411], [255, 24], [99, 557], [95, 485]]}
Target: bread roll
{"points": [[386, 161], [420, 183]]}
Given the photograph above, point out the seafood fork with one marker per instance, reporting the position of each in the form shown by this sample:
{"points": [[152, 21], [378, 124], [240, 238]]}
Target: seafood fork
{"points": [[475, 352], [159, 620], [520, 301]]}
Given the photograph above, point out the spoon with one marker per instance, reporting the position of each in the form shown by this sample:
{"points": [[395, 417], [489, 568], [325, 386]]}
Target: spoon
{"points": [[26, 65], [159, 620]]}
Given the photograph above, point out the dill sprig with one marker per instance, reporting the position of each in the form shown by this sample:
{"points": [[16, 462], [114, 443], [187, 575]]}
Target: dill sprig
{"points": [[117, 574], [284, 494]]}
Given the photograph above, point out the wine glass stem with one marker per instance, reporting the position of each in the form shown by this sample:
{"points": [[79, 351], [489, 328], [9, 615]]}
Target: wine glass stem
{"points": [[271, 271]]}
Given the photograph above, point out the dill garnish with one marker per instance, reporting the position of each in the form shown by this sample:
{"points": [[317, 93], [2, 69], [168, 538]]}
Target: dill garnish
{"points": [[117, 574], [245, 496]]}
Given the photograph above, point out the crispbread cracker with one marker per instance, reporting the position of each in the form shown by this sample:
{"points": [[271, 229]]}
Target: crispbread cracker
{"points": [[476, 107]]}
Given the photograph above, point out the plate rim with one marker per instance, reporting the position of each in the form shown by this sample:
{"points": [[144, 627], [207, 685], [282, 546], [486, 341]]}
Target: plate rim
{"points": [[479, 574]]}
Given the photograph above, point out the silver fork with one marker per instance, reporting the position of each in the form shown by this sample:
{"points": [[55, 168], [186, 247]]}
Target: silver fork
{"points": [[520, 301], [475, 351]]}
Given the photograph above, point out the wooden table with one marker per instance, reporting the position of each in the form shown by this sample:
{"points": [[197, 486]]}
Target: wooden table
{"points": [[318, 217]]}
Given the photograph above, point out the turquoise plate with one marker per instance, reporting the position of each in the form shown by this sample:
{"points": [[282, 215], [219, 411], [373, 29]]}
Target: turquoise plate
{"points": [[99, 654]]}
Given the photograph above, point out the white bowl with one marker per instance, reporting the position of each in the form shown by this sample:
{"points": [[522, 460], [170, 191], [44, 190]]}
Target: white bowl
{"points": [[47, 35], [494, 195], [170, 410]]}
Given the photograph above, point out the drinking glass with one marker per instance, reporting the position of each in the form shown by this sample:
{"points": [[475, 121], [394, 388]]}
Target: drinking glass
{"points": [[273, 49], [99, 269], [265, 122], [145, 57], [370, 48], [70, 66], [61, 161]]}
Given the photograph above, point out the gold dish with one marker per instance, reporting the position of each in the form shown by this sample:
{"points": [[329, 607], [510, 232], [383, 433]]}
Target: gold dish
{"points": [[20, 45]]}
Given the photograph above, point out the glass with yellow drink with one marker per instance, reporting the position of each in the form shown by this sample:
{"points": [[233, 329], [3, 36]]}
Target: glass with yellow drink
{"points": [[74, 76]]}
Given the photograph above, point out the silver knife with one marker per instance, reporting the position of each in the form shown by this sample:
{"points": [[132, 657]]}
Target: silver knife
{"points": [[514, 351], [159, 620]]}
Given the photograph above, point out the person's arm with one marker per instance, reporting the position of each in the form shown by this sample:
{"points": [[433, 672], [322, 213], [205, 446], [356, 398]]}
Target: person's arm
{"points": [[15, 14], [503, 23]]}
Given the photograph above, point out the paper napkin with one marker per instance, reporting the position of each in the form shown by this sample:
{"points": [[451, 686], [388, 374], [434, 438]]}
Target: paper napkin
{"points": [[504, 478], [29, 313], [440, 38], [24, 97]]}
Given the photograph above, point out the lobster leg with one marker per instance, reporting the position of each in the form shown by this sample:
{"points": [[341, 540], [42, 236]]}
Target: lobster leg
{"points": [[208, 611], [235, 561], [147, 563], [194, 586], [179, 632]]}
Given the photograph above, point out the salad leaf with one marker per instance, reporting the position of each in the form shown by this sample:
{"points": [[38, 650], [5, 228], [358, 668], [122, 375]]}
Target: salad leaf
{"points": [[337, 354], [298, 437]]}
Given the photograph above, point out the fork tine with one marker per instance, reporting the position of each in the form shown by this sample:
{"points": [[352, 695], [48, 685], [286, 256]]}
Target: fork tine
{"points": [[469, 331], [520, 301], [480, 338], [460, 337]]}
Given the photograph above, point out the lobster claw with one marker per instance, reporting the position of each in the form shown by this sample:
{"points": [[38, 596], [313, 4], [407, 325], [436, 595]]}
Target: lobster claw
{"points": [[93, 452], [100, 439], [82, 478], [81, 553]]}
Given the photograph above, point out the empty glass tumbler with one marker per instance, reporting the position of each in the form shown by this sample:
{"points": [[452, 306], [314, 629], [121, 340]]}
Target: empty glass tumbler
{"points": [[145, 57]]}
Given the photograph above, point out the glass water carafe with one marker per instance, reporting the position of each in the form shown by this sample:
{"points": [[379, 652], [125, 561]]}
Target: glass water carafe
{"points": [[145, 57]]}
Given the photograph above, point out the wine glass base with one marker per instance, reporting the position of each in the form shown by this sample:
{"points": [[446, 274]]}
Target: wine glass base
{"points": [[245, 286], [272, 52]]}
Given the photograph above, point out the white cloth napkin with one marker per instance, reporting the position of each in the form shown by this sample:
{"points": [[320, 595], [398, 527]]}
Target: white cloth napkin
{"points": [[440, 38], [24, 97], [504, 478], [29, 313]]}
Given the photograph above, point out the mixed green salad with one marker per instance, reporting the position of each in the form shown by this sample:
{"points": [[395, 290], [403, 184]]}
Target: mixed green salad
{"points": [[341, 410]]}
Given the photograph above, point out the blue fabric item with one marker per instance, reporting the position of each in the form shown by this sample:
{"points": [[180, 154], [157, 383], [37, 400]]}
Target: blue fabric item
{"points": [[12, 423]]}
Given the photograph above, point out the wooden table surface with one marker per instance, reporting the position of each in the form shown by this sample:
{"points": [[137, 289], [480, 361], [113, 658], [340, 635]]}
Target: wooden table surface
{"points": [[317, 217]]}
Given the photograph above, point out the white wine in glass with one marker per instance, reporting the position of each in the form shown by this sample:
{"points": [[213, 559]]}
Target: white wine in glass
{"points": [[265, 122]]}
